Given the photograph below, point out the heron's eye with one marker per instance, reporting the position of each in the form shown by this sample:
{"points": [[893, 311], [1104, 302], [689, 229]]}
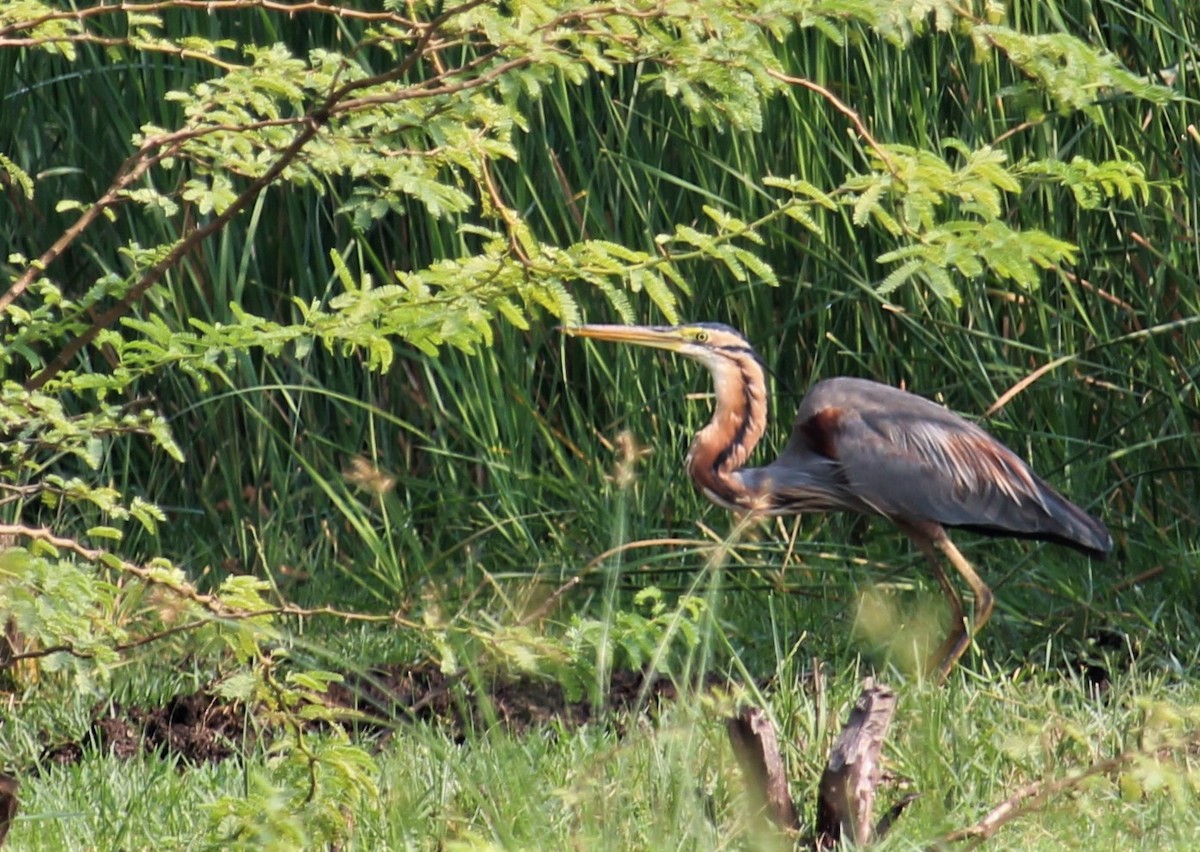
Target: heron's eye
{"points": [[701, 337]]}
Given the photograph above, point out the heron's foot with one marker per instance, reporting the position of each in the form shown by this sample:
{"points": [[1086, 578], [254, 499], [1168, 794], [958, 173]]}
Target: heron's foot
{"points": [[959, 640], [949, 652]]}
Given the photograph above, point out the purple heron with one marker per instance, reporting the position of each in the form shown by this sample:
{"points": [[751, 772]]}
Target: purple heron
{"points": [[860, 446]]}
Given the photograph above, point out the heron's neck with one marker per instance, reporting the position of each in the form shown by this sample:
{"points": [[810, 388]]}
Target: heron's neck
{"points": [[722, 448]]}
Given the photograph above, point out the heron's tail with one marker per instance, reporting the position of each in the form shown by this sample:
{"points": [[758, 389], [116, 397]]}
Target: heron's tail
{"points": [[1053, 518], [1068, 524]]}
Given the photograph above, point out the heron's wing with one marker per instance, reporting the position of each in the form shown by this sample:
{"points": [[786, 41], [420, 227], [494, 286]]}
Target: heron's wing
{"points": [[910, 466], [909, 459]]}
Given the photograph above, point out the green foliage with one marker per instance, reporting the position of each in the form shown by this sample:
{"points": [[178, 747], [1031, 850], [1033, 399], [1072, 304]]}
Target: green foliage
{"points": [[60, 605], [304, 797], [578, 655], [912, 194], [631, 640], [411, 140], [1093, 184], [1068, 72], [310, 786]]}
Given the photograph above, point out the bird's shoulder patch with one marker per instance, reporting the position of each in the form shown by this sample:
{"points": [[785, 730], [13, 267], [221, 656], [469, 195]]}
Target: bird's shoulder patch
{"points": [[820, 430]]}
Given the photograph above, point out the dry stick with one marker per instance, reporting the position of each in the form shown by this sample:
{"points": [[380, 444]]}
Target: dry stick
{"points": [[757, 751], [598, 560], [1013, 131], [1134, 318], [1137, 579], [846, 799], [550, 602], [1036, 793], [1007, 397]]}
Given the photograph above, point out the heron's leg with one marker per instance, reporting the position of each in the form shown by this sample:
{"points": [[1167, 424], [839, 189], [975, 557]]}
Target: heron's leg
{"points": [[930, 538], [956, 642], [959, 640], [984, 600]]}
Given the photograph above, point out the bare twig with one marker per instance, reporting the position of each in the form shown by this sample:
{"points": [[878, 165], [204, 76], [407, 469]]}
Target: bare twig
{"points": [[550, 602], [1137, 579], [842, 107], [598, 560], [1013, 131], [1134, 318], [1007, 397]]}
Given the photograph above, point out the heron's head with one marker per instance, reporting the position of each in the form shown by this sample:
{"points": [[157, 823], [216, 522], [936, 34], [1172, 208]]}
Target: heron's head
{"points": [[714, 345]]}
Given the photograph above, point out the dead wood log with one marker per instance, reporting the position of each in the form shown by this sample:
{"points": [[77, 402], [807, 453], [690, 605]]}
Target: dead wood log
{"points": [[846, 797], [757, 750], [8, 803]]}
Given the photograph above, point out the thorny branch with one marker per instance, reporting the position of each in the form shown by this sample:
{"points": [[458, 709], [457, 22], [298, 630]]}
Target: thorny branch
{"points": [[212, 603]]}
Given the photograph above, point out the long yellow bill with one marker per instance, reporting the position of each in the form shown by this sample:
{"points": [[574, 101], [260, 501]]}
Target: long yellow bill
{"points": [[658, 336]]}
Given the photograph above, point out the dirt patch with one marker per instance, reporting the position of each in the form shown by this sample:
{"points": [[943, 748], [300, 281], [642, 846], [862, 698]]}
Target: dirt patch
{"points": [[205, 728], [424, 693], [199, 728]]}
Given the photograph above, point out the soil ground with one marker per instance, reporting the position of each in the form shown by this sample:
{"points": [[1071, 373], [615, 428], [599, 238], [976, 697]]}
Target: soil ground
{"points": [[204, 727]]}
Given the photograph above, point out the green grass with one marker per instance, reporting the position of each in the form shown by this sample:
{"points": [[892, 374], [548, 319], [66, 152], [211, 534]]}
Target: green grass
{"points": [[675, 784]]}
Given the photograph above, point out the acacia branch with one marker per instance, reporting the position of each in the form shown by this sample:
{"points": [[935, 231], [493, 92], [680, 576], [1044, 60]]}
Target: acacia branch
{"points": [[211, 603], [169, 145], [481, 70], [129, 173], [97, 555], [219, 611], [137, 44], [188, 627], [120, 647], [289, 9], [153, 150], [182, 248]]}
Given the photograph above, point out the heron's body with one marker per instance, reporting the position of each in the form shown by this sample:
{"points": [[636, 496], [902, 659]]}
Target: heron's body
{"points": [[860, 446]]}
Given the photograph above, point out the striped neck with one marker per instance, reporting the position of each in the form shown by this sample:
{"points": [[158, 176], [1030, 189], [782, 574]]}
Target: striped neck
{"points": [[722, 448]]}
